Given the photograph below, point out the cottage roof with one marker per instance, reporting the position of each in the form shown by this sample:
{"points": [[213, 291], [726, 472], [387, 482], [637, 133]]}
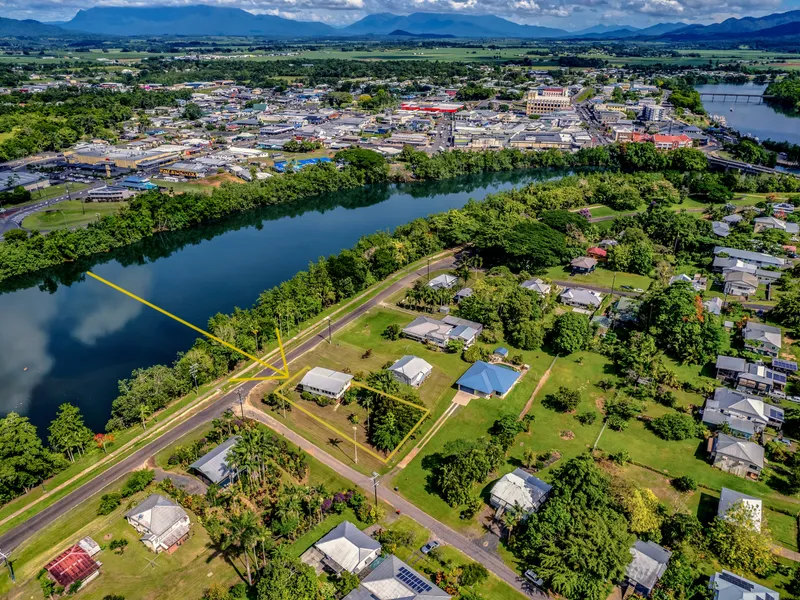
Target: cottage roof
{"points": [[729, 498], [488, 378], [214, 465], [395, 580], [739, 449], [730, 586], [156, 514], [582, 296], [411, 366], [327, 380], [648, 564], [347, 545], [521, 489], [73, 564], [759, 332]]}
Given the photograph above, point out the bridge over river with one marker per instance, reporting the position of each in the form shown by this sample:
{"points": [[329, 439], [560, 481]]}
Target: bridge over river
{"points": [[728, 97]]}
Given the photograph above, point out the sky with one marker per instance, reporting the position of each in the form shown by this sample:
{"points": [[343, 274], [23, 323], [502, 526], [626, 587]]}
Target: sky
{"points": [[571, 15]]}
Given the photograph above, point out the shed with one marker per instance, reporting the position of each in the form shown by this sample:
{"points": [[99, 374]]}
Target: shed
{"points": [[648, 565], [214, 466]]}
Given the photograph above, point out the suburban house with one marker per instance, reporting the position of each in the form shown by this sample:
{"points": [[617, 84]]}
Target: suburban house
{"points": [[713, 305], [745, 415], [607, 243], [754, 378], [721, 228], [326, 382], [739, 283], [213, 467], [736, 456], [443, 281], [485, 380], [758, 259], [648, 565], [729, 498], [347, 548], [519, 491], [427, 329], [598, 253], [763, 223], [698, 282], [74, 564], [411, 370], [162, 524], [395, 580], [763, 339], [537, 285], [626, 309], [581, 298], [462, 293], [729, 586], [583, 264]]}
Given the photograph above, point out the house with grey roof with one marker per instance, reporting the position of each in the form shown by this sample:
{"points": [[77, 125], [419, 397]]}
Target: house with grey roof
{"points": [[738, 283], [698, 282], [753, 378], [744, 414], [759, 259], [326, 382], [731, 499], [761, 338], [537, 285], [395, 580], [763, 223], [581, 298], [444, 280], [714, 305], [462, 293], [730, 586], [213, 467], [721, 228], [347, 548], [429, 330], [583, 264], [519, 491], [736, 456], [645, 569], [411, 370], [162, 524]]}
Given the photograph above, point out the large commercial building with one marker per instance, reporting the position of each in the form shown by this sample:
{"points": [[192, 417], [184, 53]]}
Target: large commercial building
{"points": [[547, 100], [124, 158]]}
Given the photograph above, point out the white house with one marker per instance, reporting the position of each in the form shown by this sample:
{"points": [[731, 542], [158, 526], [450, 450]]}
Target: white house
{"points": [[411, 370], [520, 491], [443, 281], [729, 499], [162, 524], [326, 382], [537, 285], [730, 586], [581, 298], [347, 548], [439, 333]]}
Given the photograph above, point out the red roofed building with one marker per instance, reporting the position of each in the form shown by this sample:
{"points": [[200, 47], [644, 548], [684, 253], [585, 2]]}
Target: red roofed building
{"points": [[671, 142], [73, 564], [597, 253]]}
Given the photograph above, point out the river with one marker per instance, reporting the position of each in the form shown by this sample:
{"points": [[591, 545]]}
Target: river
{"points": [[69, 338], [759, 120]]}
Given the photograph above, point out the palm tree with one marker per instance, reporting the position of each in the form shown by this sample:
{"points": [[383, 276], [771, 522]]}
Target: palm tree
{"points": [[242, 533]]}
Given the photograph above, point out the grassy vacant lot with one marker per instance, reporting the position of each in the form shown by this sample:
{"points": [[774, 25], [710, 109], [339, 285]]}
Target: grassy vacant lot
{"points": [[203, 186], [70, 213], [600, 277]]}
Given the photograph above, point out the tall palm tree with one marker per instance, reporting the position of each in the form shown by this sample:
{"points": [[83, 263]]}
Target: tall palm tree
{"points": [[242, 532]]}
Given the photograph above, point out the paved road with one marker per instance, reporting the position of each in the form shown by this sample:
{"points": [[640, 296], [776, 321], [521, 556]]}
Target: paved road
{"points": [[445, 534], [20, 533], [12, 218]]}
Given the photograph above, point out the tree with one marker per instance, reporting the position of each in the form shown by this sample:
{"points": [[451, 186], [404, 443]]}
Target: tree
{"points": [[464, 463], [108, 503], [674, 426], [642, 507], [578, 540], [68, 434], [681, 581], [787, 310], [287, 579], [564, 400], [137, 481], [392, 332], [241, 532], [684, 483], [571, 333], [192, 112], [739, 545], [24, 462]]}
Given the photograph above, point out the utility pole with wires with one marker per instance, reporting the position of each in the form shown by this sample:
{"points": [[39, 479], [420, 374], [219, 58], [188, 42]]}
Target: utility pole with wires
{"points": [[6, 559], [355, 444], [241, 400], [330, 339], [374, 480]]}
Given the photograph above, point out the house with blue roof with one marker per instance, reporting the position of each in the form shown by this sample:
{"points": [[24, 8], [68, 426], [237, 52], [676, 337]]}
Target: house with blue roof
{"points": [[487, 380]]}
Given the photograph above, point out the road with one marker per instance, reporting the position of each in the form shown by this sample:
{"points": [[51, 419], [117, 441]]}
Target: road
{"points": [[13, 217], [14, 537], [441, 532]]}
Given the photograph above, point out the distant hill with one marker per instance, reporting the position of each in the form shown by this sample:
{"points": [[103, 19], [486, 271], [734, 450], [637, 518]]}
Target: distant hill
{"points": [[732, 28], [435, 36], [190, 20], [28, 28], [606, 32], [456, 25]]}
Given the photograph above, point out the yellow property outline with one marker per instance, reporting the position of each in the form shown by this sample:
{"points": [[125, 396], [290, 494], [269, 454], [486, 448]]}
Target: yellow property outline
{"points": [[279, 373], [425, 412]]}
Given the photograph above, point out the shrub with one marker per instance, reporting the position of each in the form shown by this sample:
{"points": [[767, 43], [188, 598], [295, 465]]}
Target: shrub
{"points": [[137, 481], [392, 332], [109, 502], [473, 574], [622, 457], [686, 483], [564, 400], [517, 359], [666, 398], [323, 400], [674, 426], [367, 354], [616, 422], [475, 353], [306, 395], [587, 417], [455, 346], [118, 546]]}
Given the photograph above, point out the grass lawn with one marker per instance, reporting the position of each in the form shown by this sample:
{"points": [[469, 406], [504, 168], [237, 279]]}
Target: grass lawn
{"points": [[308, 539], [204, 186], [54, 191], [69, 214], [599, 277]]}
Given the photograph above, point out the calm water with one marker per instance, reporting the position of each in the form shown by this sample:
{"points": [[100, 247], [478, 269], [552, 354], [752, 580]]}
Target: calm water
{"points": [[77, 337], [760, 120]]}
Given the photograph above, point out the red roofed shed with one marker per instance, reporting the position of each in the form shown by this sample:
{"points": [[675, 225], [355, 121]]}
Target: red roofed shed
{"points": [[597, 253], [73, 564]]}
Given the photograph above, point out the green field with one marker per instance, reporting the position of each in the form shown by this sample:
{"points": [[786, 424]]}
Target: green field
{"points": [[69, 214]]}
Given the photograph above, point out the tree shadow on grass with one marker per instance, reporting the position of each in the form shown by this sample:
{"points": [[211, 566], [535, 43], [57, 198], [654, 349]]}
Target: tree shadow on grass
{"points": [[432, 463], [707, 508]]}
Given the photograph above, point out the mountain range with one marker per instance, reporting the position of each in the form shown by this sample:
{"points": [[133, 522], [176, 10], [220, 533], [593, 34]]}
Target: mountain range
{"points": [[204, 20]]}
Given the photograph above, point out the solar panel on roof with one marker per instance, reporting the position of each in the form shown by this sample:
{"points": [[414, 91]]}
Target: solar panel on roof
{"points": [[413, 581], [786, 365], [775, 414], [777, 377], [737, 581]]}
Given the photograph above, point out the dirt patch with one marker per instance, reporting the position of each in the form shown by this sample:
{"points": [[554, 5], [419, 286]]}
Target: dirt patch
{"points": [[218, 179], [566, 435], [108, 536], [600, 403]]}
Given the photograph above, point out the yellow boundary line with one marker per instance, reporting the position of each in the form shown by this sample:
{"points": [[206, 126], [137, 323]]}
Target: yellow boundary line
{"points": [[426, 411], [279, 373]]}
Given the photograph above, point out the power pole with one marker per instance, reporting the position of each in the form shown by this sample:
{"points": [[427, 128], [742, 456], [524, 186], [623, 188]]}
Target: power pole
{"points": [[355, 444], [5, 558], [330, 339], [241, 400], [374, 479]]}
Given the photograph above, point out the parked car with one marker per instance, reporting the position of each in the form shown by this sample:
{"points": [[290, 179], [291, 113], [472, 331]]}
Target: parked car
{"points": [[432, 545], [534, 578]]}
